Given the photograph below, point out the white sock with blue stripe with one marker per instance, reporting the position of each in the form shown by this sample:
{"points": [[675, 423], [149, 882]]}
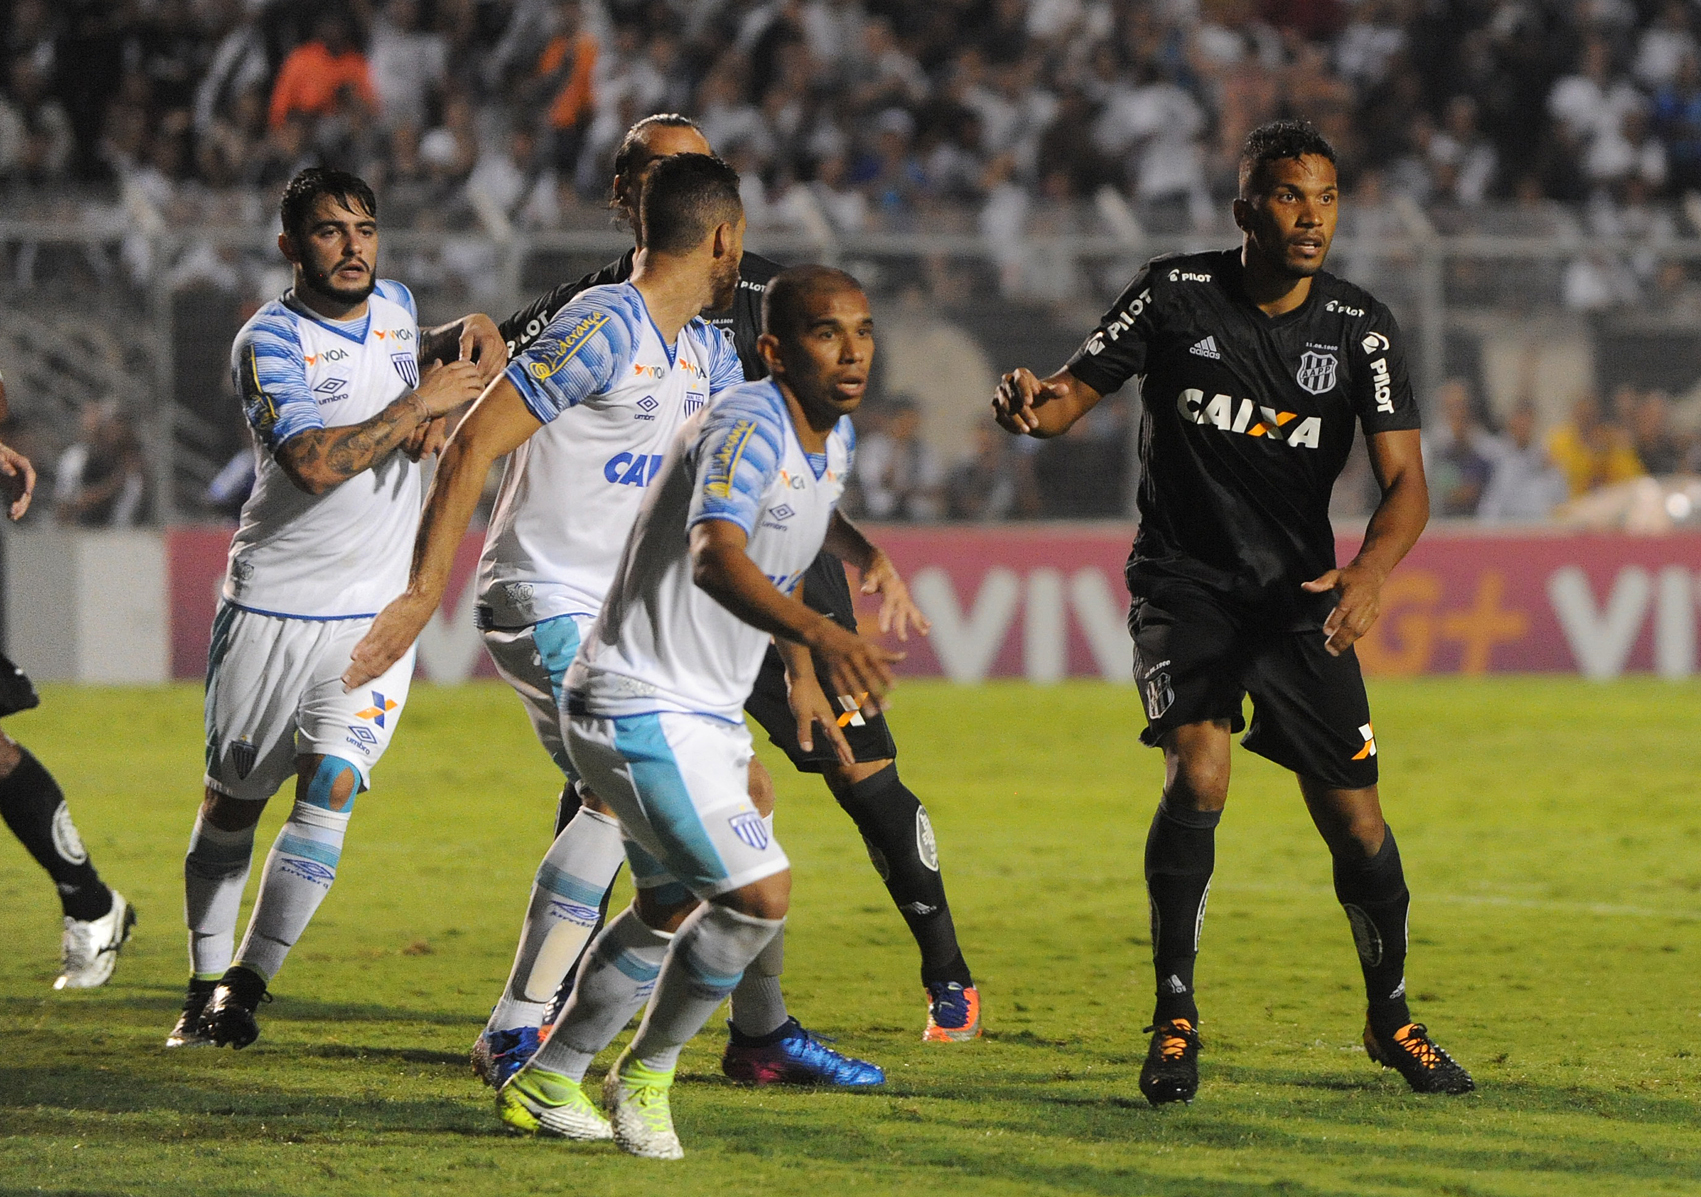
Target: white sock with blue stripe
{"points": [[619, 972], [298, 874], [566, 902], [710, 952]]}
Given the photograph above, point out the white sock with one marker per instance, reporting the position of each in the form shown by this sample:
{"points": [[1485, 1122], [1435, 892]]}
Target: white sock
{"points": [[709, 954], [298, 874], [618, 974], [758, 1006], [565, 904], [215, 870]]}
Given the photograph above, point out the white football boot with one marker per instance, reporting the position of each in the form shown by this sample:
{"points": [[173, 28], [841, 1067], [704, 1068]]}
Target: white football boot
{"points": [[90, 949]]}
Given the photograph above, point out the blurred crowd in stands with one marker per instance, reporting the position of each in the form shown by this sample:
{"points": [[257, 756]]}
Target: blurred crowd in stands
{"points": [[860, 112]]}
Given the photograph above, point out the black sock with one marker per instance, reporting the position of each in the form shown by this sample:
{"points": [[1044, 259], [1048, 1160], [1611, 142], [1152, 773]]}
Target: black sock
{"points": [[1181, 852], [900, 842], [566, 808], [1375, 897], [34, 808]]}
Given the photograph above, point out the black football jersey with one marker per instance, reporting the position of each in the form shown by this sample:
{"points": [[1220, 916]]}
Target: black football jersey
{"points": [[1248, 421], [741, 323]]}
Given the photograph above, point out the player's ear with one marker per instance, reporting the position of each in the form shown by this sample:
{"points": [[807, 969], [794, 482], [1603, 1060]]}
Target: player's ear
{"points": [[286, 247], [723, 238], [768, 349], [1242, 213]]}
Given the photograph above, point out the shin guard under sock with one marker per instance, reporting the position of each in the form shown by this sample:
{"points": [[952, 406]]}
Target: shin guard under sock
{"points": [[619, 972], [214, 873], [709, 953], [34, 808], [1181, 852], [1373, 893], [902, 848]]}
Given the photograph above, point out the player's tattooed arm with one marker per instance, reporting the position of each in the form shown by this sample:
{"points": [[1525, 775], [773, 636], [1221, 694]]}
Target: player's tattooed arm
{"points": [[472, 338], [1041, 407], [898, 611], [498, 424], [1397, 460], [720, 565], [318, 459]]}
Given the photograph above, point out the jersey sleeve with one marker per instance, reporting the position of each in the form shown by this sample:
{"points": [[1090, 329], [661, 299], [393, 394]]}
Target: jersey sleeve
{"points": [[271, 377], [527, 324], [1382, 390], [1116, 351], [725, 370], [585, 349], [398, 293], [738, 456]]}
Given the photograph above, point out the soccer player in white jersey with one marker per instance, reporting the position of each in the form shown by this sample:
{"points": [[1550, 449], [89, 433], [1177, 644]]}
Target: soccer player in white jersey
{"points": [[587, 411], [654, 721], [340, 413]]}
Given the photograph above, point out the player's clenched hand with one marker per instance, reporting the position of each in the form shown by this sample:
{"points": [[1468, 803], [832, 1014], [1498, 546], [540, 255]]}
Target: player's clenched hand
{"points": [[391, 634], [1018, 394], [446, 385], [898, 611], [854, 665], [427, 439], [810, 706], [481, 341], [1358, 601], [17, 480]]}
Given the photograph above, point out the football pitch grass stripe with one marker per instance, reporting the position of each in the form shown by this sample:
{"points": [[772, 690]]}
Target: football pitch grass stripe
{"points": [[1551, 834]]}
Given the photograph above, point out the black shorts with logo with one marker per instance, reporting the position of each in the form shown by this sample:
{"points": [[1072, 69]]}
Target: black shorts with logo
{"points": [[825, 590], [1197, 654]]}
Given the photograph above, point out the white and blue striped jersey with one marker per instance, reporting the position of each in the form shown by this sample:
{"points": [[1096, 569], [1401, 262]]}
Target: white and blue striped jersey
{"points": [[344, 553], [611, 394], [661, 643]]}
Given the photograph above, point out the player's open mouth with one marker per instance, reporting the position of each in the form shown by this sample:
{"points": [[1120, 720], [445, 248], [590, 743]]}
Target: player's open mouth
{"points": [[1308, 247], [851, 387]]}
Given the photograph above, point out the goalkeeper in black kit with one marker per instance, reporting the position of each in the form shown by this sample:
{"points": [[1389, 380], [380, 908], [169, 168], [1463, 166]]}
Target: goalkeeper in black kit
{"points": [[1256, 366]]}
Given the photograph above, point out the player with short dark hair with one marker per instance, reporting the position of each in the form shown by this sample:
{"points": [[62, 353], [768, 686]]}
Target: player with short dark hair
{"points": [[854, 752], [97, 918], [1255, 367]]}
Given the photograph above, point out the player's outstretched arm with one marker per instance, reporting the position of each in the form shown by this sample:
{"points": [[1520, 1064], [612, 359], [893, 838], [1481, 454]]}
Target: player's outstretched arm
{"points": [[1397, 460], [898, 611], [1041, 407], [318, 459], [498, 424], [723, 569], [809, 704], [472, 338]]}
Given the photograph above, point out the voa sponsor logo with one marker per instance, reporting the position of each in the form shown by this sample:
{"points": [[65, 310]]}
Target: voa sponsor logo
{"points": [[1250, 419], [632, 469]]}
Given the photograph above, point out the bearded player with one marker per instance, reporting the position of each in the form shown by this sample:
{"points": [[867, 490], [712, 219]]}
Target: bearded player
{"points": [[1256, 366]]}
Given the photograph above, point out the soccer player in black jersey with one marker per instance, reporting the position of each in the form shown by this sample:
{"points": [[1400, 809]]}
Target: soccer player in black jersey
{"points": [[854, 750], [98, 920], [1255, 367]]}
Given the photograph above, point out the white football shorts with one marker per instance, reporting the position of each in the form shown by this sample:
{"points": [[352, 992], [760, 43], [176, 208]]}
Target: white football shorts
{"points": [[680, 785], [534, 661], [275, 692]]}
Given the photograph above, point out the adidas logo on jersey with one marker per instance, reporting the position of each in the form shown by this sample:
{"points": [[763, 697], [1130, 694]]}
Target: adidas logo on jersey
{"points": [[1207, 348]]}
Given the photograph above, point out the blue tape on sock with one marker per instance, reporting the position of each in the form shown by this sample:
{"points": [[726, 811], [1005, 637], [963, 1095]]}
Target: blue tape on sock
{"points": [[324, 781]]}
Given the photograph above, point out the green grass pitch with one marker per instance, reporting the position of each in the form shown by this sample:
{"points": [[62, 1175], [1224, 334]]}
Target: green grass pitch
{"points": [[1551, 834]]}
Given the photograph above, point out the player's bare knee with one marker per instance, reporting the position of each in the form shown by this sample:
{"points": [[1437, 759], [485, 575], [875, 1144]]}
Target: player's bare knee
{"points": [[10, 755], [590, 800], [1196, 782], [768, 898], [659, 909], [761, 788], [326, 781], [1350, 821], [228, 813]]}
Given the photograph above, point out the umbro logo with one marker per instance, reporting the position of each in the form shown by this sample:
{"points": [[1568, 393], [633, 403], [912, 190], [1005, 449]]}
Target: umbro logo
{"points": [[1207, 348]]}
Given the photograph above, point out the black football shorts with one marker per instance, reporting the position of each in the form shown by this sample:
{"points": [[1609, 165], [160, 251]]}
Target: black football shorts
{"points": [[1197, 654], [825, 590]]}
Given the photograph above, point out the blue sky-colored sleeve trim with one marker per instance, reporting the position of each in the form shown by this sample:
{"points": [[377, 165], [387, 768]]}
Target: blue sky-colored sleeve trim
{"points": [[271, 377], [583, 352], [738, 456], [396, 292]]}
